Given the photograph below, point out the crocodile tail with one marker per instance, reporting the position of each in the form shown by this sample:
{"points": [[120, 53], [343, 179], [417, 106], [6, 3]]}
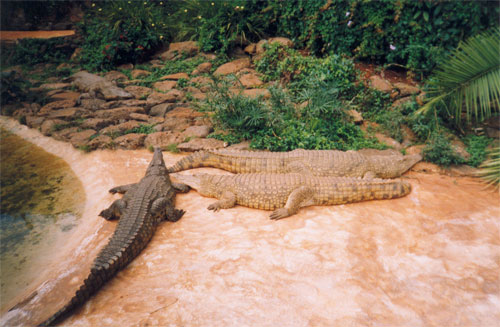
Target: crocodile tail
{"points": [[97, 277], [195, 160]]}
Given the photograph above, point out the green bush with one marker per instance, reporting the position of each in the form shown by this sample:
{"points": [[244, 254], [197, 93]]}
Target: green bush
{"points": [[34, 51], [117, 32], [279, 125], [439, 151], [414, 34], [476, 146]]}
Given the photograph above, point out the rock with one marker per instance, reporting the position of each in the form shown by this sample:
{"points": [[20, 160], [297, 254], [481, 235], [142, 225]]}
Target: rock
{"points": [[356, 117], [96, 123], [233, 66], [34, 121], [67, 113], [460, 148], [155, 120], [243, 146], [196, 93], [281, 40], [175, 77], [406, 89], [114, 75], [66, 95], [201, 81], [76, 54], [139, 91], [188, 48], [64, 65], [124, 103], [183, 112], [493, 132], [380, 84], [139, 117], [462, 171], [259, 47], [426, 167], [128, 66], [118, 114], [100, 142], [98, 87], [254, 93], [164, 86], [421, 98], [92, 103], [388, 141], [400, 102], [415, 149], [161, 139], [251, 48], [201, 144], [120, 128], [157, 97], [79, 139], [130, 141], [48, 126], [139, 73], [209, 56], [251, 80], [45, 110], [54, 86], [175, 124], [408, 136], [161, 109], [197, 131], [205, 67]]}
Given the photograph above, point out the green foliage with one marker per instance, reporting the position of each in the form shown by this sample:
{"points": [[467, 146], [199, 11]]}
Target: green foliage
{"points": [[172, 148], [221, 25], [12, 88], [278, 125], [476, 146], [469, 79], [116, 32], [439, 151], [34, 51], [280, 62], [141, 129], [490, 169], [415, 34]]}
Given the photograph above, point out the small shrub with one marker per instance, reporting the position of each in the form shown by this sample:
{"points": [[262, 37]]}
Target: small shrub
{"points": [[142, 129], [439, 151], [476, 146], [34, 51], [172, 148]]}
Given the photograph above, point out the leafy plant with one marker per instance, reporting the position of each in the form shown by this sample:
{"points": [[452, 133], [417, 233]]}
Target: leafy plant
{"points": [[116, 32], [476, 146], [141, 129], [34, 51], [469, 79], [439, 151], [490, 169]]}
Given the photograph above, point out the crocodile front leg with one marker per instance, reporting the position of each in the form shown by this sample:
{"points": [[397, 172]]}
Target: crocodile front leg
{"points": [[122, 189], [297, 199], [115, 210], [180, 187], [227, 200]]}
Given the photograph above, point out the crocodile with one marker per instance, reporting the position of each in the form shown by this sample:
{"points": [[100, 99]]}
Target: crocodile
{"points": [[97, 87], [287, 193], [315, 162], [143, 206]]}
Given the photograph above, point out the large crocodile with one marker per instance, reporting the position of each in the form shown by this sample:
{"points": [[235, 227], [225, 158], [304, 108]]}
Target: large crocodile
{"points": [[141, 209], [315, 162], [97, 86], [286, 193]]}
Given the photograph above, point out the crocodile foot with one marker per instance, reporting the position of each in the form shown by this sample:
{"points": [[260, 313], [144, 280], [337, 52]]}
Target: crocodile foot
{"points": [[279, 214]]}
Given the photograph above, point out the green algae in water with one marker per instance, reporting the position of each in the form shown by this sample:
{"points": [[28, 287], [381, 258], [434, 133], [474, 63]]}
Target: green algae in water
{"points": [[41, 200]]}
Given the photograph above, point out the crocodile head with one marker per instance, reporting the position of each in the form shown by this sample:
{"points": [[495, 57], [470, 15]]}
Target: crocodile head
{"points": [[393, 166], [157, 165]]}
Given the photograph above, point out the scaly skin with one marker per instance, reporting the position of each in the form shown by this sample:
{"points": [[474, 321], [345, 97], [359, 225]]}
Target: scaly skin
{"points": [[98, 87], [314, 162], [286, 193], [142, 208]]}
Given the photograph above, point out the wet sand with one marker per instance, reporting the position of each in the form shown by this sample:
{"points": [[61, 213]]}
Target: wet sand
{"points": [[429, 259]]}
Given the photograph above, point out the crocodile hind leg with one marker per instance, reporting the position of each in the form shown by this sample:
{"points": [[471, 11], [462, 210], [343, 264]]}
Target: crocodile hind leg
{"points": [[299, 197], [122, 188], [115, 210], [164, 209], [227, 200]]}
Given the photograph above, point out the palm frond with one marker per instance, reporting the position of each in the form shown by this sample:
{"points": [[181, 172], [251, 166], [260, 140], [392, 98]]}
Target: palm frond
{"points": [[490, 169], [469, 79]]}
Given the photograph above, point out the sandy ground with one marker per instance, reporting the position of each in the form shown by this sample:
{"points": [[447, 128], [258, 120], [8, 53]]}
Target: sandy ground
{"points": [[429, 259]]}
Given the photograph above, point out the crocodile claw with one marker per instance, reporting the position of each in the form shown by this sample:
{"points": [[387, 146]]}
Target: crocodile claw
{"points": [[279, 214], [214, 206]]}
